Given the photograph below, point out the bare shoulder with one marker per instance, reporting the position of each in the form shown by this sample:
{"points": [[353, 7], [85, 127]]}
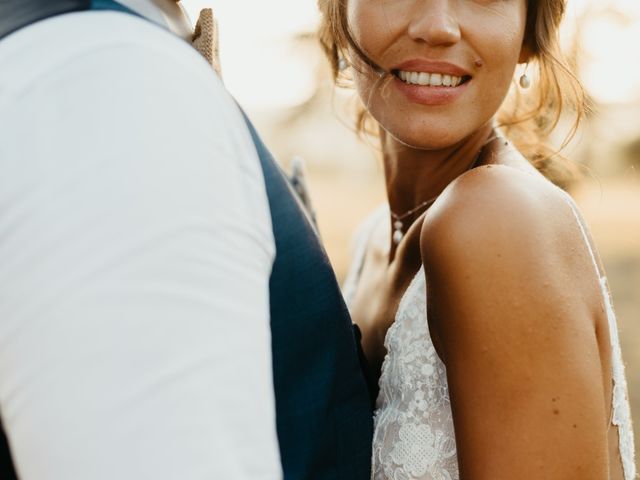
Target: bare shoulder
{"points": [[507, 237], [491, 203], [512, 298]]}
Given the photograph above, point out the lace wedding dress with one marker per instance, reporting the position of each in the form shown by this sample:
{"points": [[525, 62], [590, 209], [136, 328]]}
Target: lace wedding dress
{"points": [[414, 438]]}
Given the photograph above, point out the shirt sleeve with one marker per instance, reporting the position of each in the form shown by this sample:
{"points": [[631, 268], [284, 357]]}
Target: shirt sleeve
{"points": [[135, 254]]}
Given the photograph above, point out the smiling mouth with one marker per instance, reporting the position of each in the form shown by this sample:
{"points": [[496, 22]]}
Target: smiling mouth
{"points": [[430, 79]]}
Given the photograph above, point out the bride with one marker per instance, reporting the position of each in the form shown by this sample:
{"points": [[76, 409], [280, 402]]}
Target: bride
{"points": [[483, 306]]}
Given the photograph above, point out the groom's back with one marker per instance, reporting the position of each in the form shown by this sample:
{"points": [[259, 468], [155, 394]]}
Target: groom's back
{"points": [[323, 410], [324, 421], [135, 336]]}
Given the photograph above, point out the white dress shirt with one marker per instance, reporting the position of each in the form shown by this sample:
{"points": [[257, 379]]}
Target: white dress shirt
{"points": [[135, 254]]}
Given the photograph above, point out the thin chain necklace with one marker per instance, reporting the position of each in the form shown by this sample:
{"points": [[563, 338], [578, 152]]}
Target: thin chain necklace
{"points": [[398, 224]]}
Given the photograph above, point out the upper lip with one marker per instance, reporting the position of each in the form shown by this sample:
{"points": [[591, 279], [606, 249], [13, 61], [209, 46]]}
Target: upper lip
{"points": [[431, 66]]}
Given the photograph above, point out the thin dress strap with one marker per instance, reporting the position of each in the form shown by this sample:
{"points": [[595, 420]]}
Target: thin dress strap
{"points": [[574, 209], [620, 409]]}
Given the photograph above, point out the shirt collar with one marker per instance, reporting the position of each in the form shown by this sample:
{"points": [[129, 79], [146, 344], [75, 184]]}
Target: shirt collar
{"points": [[16, 14], [165, 13]]}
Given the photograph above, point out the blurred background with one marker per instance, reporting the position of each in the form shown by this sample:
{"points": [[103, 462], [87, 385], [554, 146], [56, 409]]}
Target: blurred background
{"points": [[273, 66]]}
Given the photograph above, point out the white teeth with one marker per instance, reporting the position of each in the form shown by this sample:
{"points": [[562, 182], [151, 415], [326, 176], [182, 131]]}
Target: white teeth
{"points": [[436, 80], [429, 79]]}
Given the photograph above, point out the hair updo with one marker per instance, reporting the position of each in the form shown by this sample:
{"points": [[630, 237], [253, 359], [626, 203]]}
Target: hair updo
{"points": [[526, 118]]}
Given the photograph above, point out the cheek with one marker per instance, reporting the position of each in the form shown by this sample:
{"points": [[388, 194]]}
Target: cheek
{"points": [[369, 32], [372, 28], [361, 21], [500, 49], [372, 92], [506, 45], [508, 39]]}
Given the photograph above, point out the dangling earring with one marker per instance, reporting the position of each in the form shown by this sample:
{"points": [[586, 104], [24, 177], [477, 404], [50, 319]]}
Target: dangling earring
{"points": [[342, 64], [525, 82]]}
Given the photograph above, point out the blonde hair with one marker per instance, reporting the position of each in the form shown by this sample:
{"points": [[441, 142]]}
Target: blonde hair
{"points": [[527, 119]]}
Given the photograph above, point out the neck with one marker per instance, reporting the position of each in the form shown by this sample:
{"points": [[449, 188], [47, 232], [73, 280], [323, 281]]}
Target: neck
{"points": [[415, 176]]}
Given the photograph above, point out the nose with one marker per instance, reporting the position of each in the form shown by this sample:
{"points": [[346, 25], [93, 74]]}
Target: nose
{"points": [[434, 22]]}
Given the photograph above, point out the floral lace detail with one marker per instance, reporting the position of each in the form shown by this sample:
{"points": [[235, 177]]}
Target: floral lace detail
{"points": [[413, 436], [620, 410]]}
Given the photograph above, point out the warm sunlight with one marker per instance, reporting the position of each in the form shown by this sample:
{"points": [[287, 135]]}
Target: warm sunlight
{"points": [[406, 248], [609, 30], [261, 67], [279, 76]]}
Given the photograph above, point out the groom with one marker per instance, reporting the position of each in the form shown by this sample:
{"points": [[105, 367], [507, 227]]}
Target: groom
{"points": [[159, 279]]}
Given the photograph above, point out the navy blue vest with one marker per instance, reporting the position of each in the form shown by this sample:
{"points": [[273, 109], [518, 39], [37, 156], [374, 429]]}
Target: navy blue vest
{"points": [[323, 406]]}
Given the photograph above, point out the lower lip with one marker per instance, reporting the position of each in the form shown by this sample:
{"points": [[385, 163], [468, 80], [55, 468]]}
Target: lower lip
{"points": [[432, 96]]}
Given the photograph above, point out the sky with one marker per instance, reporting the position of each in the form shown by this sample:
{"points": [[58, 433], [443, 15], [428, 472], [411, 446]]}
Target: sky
{"points": [[263, 70]]}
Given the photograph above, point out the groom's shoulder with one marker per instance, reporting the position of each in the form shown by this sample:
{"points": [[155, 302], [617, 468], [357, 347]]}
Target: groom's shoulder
{"points": [[119, 73], [94, 40]]}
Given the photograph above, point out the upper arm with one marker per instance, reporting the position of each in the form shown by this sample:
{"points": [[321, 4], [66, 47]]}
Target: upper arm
{"points": [[517, 336], [134, 272]]}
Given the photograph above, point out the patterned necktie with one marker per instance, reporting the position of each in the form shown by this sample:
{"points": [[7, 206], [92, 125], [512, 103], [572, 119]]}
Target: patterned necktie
{"points": [[205, 39]]}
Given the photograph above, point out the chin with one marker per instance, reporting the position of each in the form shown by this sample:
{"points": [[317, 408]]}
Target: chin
{"points": [[427, 138]]}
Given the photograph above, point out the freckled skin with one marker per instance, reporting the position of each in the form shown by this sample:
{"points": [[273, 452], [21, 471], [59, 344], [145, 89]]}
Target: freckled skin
{"points": [[514, 304]]}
